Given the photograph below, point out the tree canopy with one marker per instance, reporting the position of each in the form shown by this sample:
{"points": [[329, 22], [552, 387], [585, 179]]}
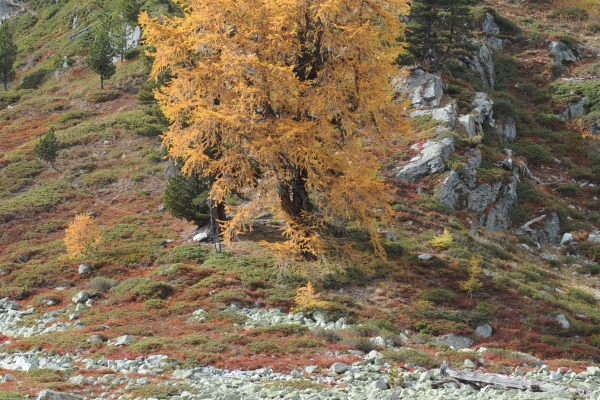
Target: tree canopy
{"points": [[437, 30], [8, 53], [47, 147], [283, 100]]}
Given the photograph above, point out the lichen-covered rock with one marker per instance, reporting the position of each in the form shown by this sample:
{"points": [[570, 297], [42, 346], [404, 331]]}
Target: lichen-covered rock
{"points": [[455, 342], [431, 160], [549, 232], [497, 219], [445, 115], [483, 109], [452, 189]]}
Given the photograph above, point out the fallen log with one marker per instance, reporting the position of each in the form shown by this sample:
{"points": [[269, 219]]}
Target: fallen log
{"points": [[507, 382]]}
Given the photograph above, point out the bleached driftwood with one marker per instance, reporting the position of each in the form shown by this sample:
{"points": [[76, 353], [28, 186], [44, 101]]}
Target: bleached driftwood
{"points": [[79, 33], [507, 162], [526, 227], [526, 172], [506, 382]]}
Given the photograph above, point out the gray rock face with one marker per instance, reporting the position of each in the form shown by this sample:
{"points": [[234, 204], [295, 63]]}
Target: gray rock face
{"points": [[428, 162], [497, 219], [452, 189], [482, 196], [484, 331], [563, 54], [574, 110], [456, 342], [446, 115], [483, 109], [489, 25], [594, 238], [507, 131], [134, 35], [83, 268], [426, 89], [483, 62], [595, 129], [123, 340], [549, 232], [468, 122], [52, 395]]}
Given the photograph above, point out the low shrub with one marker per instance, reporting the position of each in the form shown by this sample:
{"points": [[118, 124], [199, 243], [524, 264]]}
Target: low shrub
{"points": [[152, 290], [102, 284], [33, 80], [102, 96], [437, 295]]}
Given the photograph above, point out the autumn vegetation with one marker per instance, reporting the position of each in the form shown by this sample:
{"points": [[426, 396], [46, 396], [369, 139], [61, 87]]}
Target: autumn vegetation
{"points": [[282, 102]]}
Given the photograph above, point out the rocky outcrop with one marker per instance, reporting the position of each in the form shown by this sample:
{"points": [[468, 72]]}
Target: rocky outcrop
{"points": [[491, 29], [483, 110], [468, 122], [482, 196], [483, 62], [431, 160], [563, 54], [446, 115], [595, 129], [425, 89], [549, 232], [460, 182], [574, 110], [497, 218], [508, 130]]}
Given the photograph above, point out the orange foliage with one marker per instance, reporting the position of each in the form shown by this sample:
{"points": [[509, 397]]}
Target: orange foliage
{"points": [[81, 236], [281, 100]]}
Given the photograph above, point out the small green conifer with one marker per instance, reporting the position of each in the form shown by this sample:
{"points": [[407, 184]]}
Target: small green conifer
{"points": [[47, 147]]}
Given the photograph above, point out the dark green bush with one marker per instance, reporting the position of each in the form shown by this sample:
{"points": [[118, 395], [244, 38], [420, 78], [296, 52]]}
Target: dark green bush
{"points": [[152, 290], [34, 79], [437, 295], [102, 96]]}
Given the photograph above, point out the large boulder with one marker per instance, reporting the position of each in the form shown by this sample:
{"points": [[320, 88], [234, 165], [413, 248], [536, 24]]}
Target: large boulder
{"points": [[483, 62], [425, 89], [446, 115], [455, 342], [563, 54], [595, 129], [431, 160], [508, 130], [47, 394]]}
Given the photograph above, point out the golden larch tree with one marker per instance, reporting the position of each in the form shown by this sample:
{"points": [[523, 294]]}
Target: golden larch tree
{"points": [[82, 237], [283, 100]]}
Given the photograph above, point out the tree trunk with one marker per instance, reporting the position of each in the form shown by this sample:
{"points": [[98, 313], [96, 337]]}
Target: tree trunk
{"points": [[217, 214], [5, 81], [294, 201], [101, 82]]}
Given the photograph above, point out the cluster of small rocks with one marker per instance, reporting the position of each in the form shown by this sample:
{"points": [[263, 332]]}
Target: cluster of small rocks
{"points": [[258, 317]]}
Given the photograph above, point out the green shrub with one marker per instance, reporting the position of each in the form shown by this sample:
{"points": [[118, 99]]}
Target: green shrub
{"points": [[437, 295], [102, 96], [569, 189], [152, 290], [12, 396], [23, 169], [187, 253], [581, 295], [100, 178], [33, 80], [411, 357], [102, 284], [154, 304], [593, 27], [154, 391]]}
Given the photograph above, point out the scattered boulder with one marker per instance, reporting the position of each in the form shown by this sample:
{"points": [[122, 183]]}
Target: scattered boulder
{"points": [[379, 384], [80, 297], [566, 239], [83, 268], [563, 321], [455, 342], [47, 394], [97, 339], [484, 331], [431, 160], [563, 53], [425, 257], [7, 304], [339, 368], [549, 257], [595, 129], [469, 364], [468, 122], [446, 115], [123, 340], [592, 238]]}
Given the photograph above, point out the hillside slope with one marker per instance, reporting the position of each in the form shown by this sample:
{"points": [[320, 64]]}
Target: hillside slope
{"points": [[163, 317]]}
